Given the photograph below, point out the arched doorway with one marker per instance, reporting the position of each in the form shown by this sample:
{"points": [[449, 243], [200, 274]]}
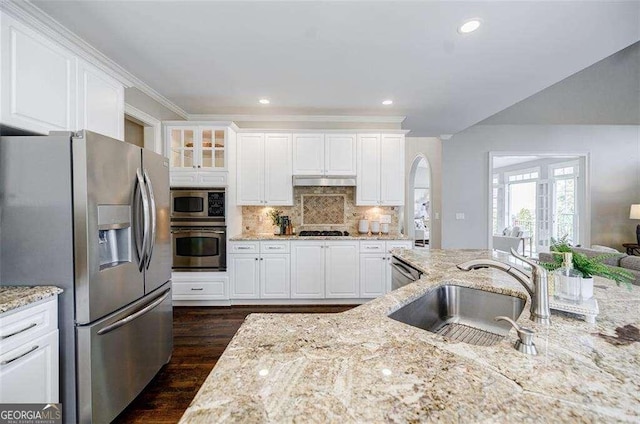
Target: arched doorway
{"points": [[419, 205]]}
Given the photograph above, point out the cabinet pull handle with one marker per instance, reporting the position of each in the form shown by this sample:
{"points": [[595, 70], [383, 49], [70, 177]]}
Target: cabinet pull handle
{"points": [[197, 289], [243, 248], [273, 248], [8, 361], [19, 331], [371, 247]]}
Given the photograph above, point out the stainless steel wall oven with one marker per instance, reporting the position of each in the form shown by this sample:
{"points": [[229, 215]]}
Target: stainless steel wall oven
{"points": [[198, 230]]}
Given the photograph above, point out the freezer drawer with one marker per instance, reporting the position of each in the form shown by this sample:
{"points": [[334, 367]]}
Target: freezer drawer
{"points": [[120, 354]]}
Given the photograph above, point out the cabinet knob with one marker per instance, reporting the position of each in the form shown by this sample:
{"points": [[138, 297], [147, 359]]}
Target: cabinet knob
{"points": [[256, 259], [199, 166], [262, 259]]}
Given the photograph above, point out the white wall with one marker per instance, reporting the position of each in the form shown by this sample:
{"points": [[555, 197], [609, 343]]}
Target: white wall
{"points": [[614, 176], [431, 148]]}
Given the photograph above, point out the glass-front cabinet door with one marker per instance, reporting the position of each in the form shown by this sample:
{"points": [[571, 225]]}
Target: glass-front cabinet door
{"points": [[197, 147], [212, 148], [182, 142]]}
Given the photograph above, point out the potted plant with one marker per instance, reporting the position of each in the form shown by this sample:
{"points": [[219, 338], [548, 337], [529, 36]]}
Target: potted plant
{"points": [[587, 266], [274, 215]]}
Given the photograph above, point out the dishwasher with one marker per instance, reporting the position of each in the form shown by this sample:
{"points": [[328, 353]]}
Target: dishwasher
{"points": [[402, 273]]}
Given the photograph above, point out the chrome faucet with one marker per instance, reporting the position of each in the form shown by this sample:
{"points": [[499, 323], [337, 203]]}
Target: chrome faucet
{"points": [[536, 285]]}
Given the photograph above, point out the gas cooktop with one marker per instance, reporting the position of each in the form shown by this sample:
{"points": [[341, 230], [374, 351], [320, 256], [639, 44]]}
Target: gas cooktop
{"points": [[323, 233]]}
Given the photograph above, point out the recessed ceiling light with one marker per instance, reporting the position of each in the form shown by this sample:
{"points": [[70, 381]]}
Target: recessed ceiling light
{"points": [[387, 102], [469, 26], [264, 101]]}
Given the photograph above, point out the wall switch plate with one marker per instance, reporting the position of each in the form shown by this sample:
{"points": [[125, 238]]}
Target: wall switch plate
{"points": [[385, 219], [437, 215], [459, 215]]}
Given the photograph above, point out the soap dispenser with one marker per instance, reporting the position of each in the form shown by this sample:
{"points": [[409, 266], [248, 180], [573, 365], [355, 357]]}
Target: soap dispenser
{"points": [[568, 284]]}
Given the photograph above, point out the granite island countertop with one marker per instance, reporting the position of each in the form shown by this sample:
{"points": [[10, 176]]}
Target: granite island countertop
{"points": [[253, 237], [361, 366], [13, 297]]}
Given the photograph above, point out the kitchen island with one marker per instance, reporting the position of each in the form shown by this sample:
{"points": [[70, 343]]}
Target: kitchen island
{"points": [[361, 366]]}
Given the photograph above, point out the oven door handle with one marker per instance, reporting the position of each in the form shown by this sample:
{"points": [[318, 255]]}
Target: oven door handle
{"points": [[197, 231]]}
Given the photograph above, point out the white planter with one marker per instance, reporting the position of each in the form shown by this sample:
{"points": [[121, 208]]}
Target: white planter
{"points": [[586, 288]]}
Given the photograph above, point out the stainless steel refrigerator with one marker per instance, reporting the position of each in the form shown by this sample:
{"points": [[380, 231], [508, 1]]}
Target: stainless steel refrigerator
{"points": [[90, 214]]}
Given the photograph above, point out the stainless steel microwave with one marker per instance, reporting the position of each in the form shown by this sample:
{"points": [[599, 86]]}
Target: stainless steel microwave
{"points": [[206, 204]]}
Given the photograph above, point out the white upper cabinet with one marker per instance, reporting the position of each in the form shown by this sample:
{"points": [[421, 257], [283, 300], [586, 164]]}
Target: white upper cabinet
{"points": [[340, 154], [392, 170], [324, 154], [197, 155], [250, 169], [380, 170], [278, 189], [45, 87], [308, 154], [264, 169], [100, 102], [38, 88], [368, 173]]}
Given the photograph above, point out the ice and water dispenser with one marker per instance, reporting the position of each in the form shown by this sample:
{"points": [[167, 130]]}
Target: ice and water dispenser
{"points": [[114, 235]]}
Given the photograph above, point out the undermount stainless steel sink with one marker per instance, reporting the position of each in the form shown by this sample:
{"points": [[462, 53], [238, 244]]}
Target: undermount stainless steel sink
{"points": [[462, 313]]}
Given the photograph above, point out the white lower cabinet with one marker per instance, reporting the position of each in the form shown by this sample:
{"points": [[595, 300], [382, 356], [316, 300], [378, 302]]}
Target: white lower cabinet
{"points": [[29, 354], [200, 286], [262, 271], [324, 269], [311, 269], [373, 274], [375, 266], [244, 270], [275, 275], [307, 269], [341, 270]]}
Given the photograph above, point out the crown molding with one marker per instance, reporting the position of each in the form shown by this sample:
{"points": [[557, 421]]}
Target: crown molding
{"points": [[298, 118], [30, 14]]}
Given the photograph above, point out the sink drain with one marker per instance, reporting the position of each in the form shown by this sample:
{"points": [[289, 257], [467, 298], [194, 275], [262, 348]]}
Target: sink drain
{"points": [[467, 334]]}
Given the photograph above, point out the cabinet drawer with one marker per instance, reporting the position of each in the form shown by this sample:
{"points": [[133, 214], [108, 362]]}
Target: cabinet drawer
{"points": [[210, 289], [186, 179], [399, 244], [274, 247], [372, 246], [212, 178], [25, 325], [244, 247]]}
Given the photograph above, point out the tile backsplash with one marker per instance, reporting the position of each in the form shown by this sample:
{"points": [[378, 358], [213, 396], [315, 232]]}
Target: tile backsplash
{"points": [[322, 204]]}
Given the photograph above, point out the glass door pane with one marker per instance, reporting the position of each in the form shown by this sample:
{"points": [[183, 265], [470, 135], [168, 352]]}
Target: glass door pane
{"points": [[564, 210]]}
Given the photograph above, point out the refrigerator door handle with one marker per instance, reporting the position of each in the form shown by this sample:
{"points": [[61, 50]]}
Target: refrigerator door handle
{"points": [[142, 254], [124, 321], [152, 199]]}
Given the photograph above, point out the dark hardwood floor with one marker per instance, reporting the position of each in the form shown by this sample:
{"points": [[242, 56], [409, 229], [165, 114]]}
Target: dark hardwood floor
{"points": [[200, 335]]}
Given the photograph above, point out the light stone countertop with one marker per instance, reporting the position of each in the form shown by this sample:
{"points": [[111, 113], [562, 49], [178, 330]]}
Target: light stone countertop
{"points": [[252, 237], [361, 366], [13, 297]]}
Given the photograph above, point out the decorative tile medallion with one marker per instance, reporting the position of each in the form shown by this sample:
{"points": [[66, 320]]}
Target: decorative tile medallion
{"points": [[323, 209]]}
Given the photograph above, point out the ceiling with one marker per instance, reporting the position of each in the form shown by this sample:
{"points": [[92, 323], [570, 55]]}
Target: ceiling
{"points": [[344, 58]]}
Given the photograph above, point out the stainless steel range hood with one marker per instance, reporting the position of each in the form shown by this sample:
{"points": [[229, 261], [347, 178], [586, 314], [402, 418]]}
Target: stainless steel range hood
{"points": [[324, 181]]}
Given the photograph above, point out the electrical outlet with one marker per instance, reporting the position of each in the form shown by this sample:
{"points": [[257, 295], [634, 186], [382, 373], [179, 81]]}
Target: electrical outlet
{"points": [[437, 215], [385, 219], [459, 215]]}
